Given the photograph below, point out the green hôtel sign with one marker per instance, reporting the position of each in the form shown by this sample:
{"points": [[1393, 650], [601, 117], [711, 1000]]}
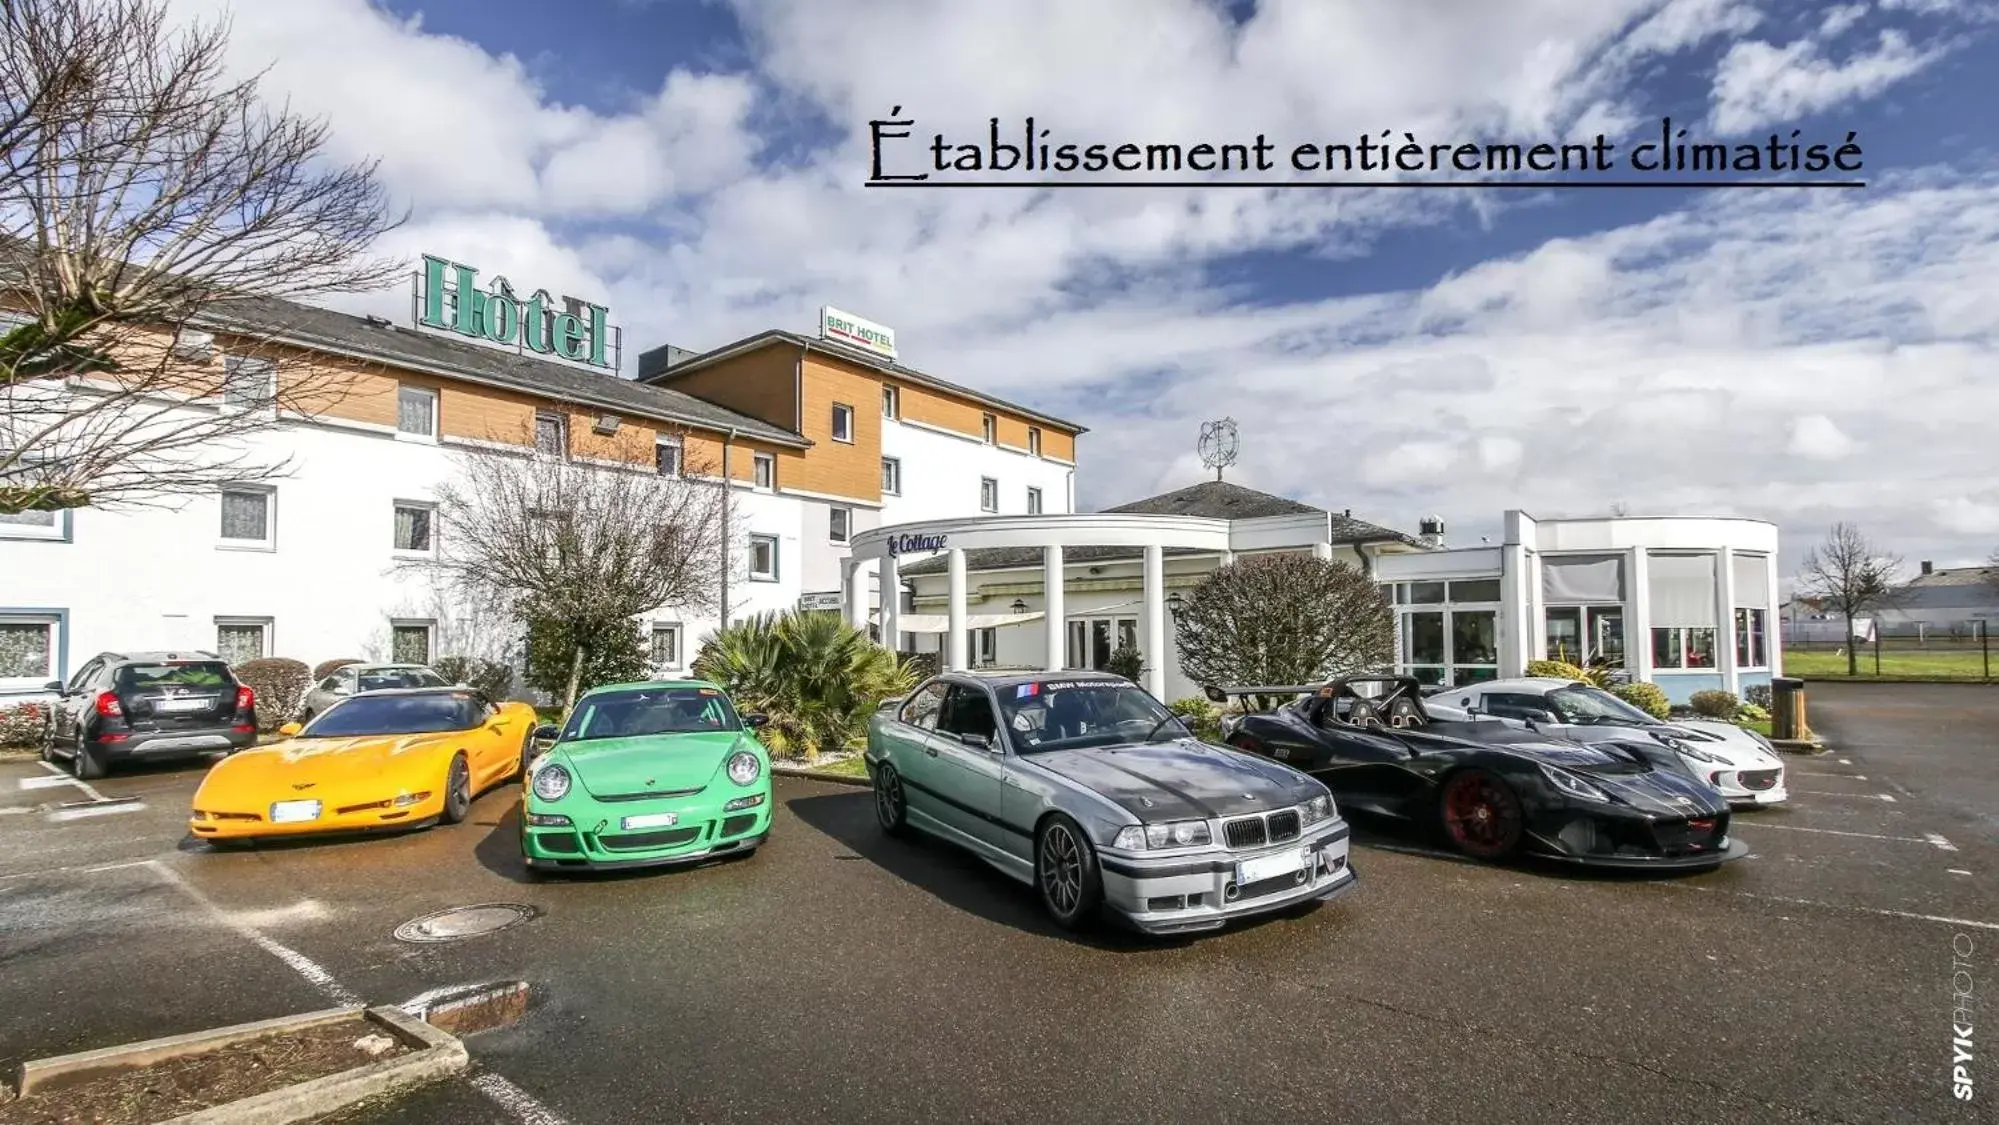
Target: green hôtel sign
{"points": [[450, 299]]}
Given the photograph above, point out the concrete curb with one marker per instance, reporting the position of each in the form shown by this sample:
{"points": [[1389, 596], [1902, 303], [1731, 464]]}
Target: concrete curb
{"points": [[438, 1055], [1863, 678], [818, 775], [1805, 746]]}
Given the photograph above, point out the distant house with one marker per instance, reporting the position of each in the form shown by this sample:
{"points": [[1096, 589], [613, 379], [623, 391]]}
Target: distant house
{"points": [[1950, 601]]}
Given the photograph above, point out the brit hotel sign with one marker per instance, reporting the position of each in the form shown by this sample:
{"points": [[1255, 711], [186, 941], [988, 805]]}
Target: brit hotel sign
{"points": [[448, 297]]}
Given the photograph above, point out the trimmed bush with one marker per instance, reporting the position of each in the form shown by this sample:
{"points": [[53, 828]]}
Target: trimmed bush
{"points": [[1649, 698], [1558, 669], [280, 683], [1715, 705], [1757, 695], [326, 668], [1204, 717], [1751, 713], [22, 724], [1127, 662], [493, 679]]}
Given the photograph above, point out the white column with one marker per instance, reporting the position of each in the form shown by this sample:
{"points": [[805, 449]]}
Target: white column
{"points": [[954, 648], [1516, 611], [1052, 600], [1227, 558], [1322, 550], [854, 576], [1638, 615], [1155, 640], [1724, 609], [891, 620], [1773, 629]]}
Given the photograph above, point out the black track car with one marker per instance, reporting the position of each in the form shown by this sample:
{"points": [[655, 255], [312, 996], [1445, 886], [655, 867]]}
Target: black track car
{"points": [[1494, 790]]}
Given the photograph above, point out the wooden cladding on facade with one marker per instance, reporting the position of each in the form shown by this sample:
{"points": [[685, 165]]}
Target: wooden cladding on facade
{"points": [[762, 384]]}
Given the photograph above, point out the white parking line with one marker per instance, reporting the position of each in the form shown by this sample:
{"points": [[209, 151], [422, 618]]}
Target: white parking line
{"points": [[1927, 838], [304, 966], [46, 782], [106, 809], [1829, 793], [1940, 842], [1957, 871], [1842, 776], [1840, 906], [83, 785], [515, 1100]]}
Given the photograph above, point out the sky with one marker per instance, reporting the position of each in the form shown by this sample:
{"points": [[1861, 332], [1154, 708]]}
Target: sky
{"points": [[1801, 356]]}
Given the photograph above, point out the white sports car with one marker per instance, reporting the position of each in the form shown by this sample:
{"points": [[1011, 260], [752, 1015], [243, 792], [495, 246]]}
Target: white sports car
{"points": [[1740, 763]]}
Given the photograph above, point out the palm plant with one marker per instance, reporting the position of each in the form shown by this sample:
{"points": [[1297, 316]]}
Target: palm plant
{"points": [[817, 677]]}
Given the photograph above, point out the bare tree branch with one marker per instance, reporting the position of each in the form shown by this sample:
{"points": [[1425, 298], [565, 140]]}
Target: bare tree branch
{"points": [[145, 195], [1849, 576]]}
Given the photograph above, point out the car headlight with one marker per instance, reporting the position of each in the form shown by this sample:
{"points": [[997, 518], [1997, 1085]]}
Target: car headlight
{"points": [[1318, 808], [1686, 749], [1171, 834], [1574, 786], [551, 782], [744, 767]]}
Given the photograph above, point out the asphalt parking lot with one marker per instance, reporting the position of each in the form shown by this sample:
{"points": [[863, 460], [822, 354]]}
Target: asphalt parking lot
{"points": [[840, 976]]}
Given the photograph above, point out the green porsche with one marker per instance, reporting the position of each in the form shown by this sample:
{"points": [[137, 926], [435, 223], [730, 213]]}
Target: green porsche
{"points": [[646, 775]]}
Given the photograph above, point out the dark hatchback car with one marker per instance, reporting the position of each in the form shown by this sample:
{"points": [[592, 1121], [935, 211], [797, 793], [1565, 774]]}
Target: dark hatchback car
{"points": [[148, 705]]}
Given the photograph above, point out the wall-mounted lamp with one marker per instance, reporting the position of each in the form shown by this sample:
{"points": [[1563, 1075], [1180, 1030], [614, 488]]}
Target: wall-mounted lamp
{"points": [[1019, 606], [1175, 603]]}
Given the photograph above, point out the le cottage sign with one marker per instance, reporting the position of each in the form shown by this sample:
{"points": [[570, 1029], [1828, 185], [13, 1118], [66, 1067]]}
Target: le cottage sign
{"points": [[846, 328], [899, 545], [448, 298]]}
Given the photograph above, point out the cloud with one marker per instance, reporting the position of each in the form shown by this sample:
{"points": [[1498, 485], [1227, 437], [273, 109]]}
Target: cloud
{"points": [[1758, 85], [1815, 436]]}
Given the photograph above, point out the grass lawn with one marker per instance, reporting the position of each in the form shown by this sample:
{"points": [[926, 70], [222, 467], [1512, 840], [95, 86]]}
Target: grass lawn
{"points": [[855, 766], [1942, 664], [1760, 726]]}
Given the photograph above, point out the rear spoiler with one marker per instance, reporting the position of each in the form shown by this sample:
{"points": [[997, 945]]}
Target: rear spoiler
{"points": [[1222, 694]]}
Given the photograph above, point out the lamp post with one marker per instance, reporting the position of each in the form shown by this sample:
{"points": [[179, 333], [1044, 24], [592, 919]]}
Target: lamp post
{"points": [[1175, 603], [1018, 606]]}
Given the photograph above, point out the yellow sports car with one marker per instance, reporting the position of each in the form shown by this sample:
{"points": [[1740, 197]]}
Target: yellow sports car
{"points": [[385, 759]]}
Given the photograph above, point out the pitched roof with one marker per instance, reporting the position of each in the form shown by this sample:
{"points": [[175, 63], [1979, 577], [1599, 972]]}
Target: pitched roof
{"points": [[1219, 499], [1957, 576], [665, 375], [437, 353]]}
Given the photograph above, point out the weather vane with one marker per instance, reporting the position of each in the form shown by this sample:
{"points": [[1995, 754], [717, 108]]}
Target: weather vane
{"points": [[1218, 445]]}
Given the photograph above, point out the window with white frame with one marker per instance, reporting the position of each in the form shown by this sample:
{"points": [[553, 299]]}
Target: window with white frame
{"points": [[765, 468], [891, 401], [249, 382], [892, 476], [843, 422], [989, 428], [1034, 440], [1033, 501], [1448, 631], [34, 525], [416, 411], [666, 644], [1682, 593], [30, 644], [238, 639], [988, 494], [249, 517], [987, 647], [551, 434], [1752, 610], [416, 528], [763, 558], [409, 641], [1584, 618], [839, 524], [666, 456]]}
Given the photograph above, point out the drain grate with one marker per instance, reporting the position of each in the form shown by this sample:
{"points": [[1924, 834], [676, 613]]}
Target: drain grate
{"points": [[461, 922]]}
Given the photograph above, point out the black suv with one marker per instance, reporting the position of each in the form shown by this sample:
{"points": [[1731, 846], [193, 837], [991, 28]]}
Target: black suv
{"points": [[131, 705]]}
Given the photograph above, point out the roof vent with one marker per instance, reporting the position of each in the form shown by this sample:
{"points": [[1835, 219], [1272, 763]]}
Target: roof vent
{"points": [[191, 346], [606, 424], [1926, 567], [1432, 531], [655, 360]]}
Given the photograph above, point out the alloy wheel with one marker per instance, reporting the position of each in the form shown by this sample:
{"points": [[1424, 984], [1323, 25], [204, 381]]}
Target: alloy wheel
{"points": [[1061, 869], [1481, 815]]}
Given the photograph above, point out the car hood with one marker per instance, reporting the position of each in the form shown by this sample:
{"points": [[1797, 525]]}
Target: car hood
{"points": [[1180, 780], [1582, 756], [1726, 741], [662, 763], [310, 767]]}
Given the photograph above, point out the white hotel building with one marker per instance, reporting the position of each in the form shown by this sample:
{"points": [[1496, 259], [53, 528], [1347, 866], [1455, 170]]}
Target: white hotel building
{"points": [[820, 438]]}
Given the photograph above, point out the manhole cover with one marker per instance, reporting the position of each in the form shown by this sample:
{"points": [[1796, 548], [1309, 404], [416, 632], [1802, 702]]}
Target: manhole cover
{"points": [[464, 922]]}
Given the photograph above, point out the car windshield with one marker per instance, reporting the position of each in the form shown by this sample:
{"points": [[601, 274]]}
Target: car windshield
{"points": [[1586, 705], [209, 676], [654, 710], [377, 679], [1073, 714], [398, 714]]}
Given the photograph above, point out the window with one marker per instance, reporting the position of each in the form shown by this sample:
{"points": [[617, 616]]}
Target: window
{"points": [[249, 383], [1751, 643], [1422, 593], [988, 494], [1751, 574], [923, 707], [891, 476], [1034, 440], [989, 428], [1033, 501], [1449, 632], [969, 712], [763, 558], [987, 646], [1676, 647], [246, 517], [238, 639], [416, 411], [666, 645], [843, 422], [666, 456], [1476, 590], [29, 645], [765, 466], [409, 642], [891, 402], [551, 434], [839, 524], [34, 525], [1586, 634], [413, 526]]}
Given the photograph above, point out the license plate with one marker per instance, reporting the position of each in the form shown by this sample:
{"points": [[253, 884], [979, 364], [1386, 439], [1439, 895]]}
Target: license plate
{"points": [[175, 706], [1268, 867], [291, 812], [651, 820]]}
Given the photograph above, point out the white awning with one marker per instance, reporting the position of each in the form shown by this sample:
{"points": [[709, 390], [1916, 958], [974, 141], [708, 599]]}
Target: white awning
{"points": [[941, 623]]}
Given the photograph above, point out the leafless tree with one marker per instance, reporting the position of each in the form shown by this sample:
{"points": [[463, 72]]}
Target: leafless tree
{"points": [[1850, 577], [155, 215], [539, 536]]}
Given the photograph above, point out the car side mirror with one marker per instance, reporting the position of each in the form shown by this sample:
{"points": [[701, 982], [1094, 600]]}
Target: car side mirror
{"points": [[54, 686], [547, 732], [756, 720], [290, 729]]}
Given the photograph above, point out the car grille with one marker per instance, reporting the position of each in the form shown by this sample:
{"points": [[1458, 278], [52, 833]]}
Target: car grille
{"points": [[564, 842], [1689, 837], [1261, 830], [1757, 779], [641, 841], [737, 824], [648, 795]]}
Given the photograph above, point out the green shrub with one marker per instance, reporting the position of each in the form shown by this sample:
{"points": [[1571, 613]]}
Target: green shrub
{"points": [[1127, 662], [1202, 716], [1751, 713], [1721, 705], [597, 652], [1648, 698], [817, 677], [1556, 669], [22, 724], [280, 683], [490, 678]]}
